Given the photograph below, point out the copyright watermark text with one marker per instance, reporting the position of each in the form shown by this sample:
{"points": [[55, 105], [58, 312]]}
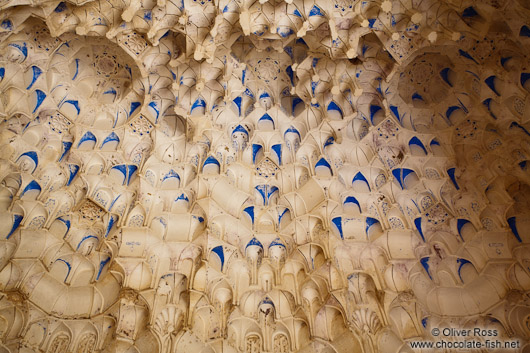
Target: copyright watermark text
{"points": [[475, 338]]}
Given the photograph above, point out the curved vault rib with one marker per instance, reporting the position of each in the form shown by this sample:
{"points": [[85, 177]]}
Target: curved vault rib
{"points": [[239, 176]]}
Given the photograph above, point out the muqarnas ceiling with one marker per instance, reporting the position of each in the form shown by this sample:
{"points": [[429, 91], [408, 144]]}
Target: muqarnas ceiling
{"points": [[262, 176]]}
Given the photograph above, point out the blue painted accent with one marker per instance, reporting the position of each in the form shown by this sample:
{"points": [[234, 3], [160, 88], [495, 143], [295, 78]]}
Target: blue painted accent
{"points": [[373, 110], [525, 31], [417, 223], [276, 242], [220, 252], [123, 169], [474, 74], [17, 219], [504, 60], [211, 160], [462, 262], [337, 221], [249, 93], [487, 103], [314, 86], [147, 16], [225, 9], [36, 73], [33, 156], [199, 102], [466, 55], [264, 95], [250, 211], [315, 11], [154, 106], [460, 224], [266, 300], [131, 169], [7, 25], [314, 62], [262, 190], [182, 197], [450, 111], [88, 136], [490, 81], [293, 130], [23, 48], [379, 90], [237, 101], [425, 264], [401, 174], [255, 149], [513, 226], [515, 124], [369, 223], [469, 12], [85, 238], [271, 190], [76, 69], [445, 75], [75, 104], [243, 76], [110, 91], [435, 142], [525, 76], [109, 225], [67, 223], [290, 73], [424, 322], [101, 266], [395, 111], [40, 98], [266, 117], [73, 169], [364, 49], [171, 174], [296, 101], [114, 202], [254, 242], [240, 128], [278, 150], [416, 95], [301, 41], [463, 106], [69, 267], [323, 163], [371, 22], [334, 106], [523, 165], [451, 173], [110, 138], [2, 72], [329, 141], [284, 33], [66, 147], [351, 199], [360, 176], [297, 13], [280, 216], [416, 141]]}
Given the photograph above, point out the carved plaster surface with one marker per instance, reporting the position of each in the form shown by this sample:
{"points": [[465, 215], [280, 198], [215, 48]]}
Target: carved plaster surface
{"points": [[262, 176]]}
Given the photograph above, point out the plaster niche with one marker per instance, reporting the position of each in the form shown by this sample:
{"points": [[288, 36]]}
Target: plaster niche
{"points": [[262, 176]]}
